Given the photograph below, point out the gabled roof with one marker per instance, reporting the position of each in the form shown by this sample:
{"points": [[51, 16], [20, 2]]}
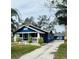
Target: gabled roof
{"points": [[37, 28], [30, 29]]}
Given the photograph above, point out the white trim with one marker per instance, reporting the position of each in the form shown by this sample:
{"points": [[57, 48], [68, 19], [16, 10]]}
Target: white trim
{"points": [[15, 38], [27, 32], [32, 29], [38, 36], [35, 29], [22, 37]]}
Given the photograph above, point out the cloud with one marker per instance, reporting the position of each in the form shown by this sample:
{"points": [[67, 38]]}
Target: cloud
{"points": [[30, 7], [33, 8]]}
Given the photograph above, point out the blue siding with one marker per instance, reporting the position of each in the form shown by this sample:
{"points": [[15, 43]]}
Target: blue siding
{"points": [[25, 29], [48, 38]]}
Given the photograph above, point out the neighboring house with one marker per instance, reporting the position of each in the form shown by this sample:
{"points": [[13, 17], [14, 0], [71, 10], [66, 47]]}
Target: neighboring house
{"points": [[59, 36], [25, 31]]}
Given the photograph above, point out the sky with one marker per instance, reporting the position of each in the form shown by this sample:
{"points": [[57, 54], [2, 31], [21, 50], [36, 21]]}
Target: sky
{"points": [[35, 8], [28, 8]]}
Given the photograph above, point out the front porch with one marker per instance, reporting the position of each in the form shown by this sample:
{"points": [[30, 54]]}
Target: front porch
{"points": [[24, 37]]}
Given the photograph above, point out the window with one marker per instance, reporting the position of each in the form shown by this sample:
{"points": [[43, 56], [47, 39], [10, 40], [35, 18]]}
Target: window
{"points": [[25, 28], [25, 35], [20, 35], [33, 34]]}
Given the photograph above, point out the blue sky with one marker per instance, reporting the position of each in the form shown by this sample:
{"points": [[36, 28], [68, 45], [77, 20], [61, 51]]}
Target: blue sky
{"points": [[33, 8]]}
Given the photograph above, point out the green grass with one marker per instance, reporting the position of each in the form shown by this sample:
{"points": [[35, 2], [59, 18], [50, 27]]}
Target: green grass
{"points": [[61, 52], [19, 50]]}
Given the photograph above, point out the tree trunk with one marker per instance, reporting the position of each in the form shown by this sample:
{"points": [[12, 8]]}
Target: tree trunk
{"points": [[65, 38]]}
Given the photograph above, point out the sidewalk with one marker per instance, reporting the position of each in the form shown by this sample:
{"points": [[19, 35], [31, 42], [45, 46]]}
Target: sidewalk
{"points": [[45, 52]]}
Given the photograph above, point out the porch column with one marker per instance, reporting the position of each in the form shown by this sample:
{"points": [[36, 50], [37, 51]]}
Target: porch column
{"points": [[28, 36], [15, 37], [22, 37], [38, 36]]}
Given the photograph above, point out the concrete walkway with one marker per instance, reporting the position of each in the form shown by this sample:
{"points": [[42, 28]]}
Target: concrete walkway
{"points": [[45, 52]]}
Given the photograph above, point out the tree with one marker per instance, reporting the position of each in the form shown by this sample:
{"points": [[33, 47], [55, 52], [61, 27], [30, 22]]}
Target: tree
{"points": [[51, 26], [14, 26], [14, 23], [15, 13], [43, 22], [61, 7], [29, 21], [61, 14]]}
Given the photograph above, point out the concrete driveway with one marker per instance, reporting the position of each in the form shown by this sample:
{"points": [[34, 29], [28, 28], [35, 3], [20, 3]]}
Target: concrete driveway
{"points": [[45, 52]]}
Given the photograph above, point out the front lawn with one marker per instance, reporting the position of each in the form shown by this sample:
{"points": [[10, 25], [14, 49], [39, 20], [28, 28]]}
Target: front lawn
{"points": [[61, 52], [19, 50]]}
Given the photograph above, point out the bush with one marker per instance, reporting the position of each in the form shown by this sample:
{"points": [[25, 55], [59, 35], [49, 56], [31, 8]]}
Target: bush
{"points": [[12, 40], [18, 39], [30, 39], [40, 40]]}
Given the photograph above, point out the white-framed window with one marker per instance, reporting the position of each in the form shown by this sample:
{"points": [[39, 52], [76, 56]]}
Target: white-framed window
{"points": [[25, 28]]}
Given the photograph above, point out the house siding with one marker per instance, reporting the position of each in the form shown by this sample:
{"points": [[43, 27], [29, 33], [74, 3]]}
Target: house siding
{"points": [[46, 36]]}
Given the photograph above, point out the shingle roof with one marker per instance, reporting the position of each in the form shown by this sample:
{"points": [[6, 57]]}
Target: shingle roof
{"points": [[33, 28]]}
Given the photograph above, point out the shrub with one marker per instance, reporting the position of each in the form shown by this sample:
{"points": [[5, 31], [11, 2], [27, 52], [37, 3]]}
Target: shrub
{"points": [[30, 39], [12, 40], [40, 40], [18, 39]]}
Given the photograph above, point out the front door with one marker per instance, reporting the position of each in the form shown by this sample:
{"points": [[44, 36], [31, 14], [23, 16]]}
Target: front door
{"points": [[25, 36]]}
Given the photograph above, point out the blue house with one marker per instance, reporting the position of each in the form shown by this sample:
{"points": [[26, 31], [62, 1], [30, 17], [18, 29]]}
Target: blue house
{"points": [[25, 31]]}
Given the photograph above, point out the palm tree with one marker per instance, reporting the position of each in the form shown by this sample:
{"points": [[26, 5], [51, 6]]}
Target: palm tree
{"points": [[14, 12], [14, 23]]}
